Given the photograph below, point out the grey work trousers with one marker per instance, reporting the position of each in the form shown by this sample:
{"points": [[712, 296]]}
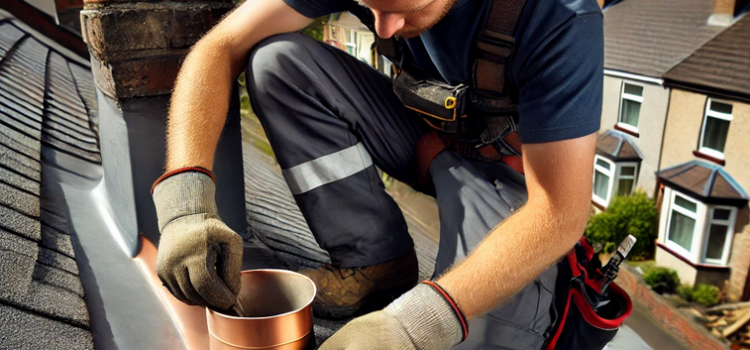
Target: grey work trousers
{"points": [[331, 120]]}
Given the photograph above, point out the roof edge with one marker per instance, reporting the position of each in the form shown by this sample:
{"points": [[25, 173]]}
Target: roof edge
{"points": [[707, 90], [45, 25], [634, 76]]}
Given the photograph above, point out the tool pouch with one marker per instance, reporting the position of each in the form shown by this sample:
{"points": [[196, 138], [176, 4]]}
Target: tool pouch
{"points": [[580, 326], [442, 106]]}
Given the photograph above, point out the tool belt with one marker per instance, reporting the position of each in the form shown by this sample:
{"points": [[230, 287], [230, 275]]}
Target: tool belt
{"points": [[581, 325]]}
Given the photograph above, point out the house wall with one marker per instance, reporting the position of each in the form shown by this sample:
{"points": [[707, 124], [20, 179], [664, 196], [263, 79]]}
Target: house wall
{"points": [[681, 137], [650, 125]]}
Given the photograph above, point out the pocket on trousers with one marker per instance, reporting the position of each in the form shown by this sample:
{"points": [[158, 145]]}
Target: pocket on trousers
{"points": [[520, 323]]}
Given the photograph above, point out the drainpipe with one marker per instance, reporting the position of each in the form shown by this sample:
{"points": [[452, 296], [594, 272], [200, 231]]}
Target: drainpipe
{"points": [[136, 50]]}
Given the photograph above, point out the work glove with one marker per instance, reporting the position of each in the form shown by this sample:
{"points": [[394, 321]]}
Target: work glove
{"points": [[425, 318], [199, 257]]}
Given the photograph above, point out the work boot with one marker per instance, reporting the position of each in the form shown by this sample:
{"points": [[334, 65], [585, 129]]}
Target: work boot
{"points": [[354, 291]]}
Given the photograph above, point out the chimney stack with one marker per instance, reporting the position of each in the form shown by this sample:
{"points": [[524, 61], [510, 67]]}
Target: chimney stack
{"points": [[724, 12], [136, 49]]}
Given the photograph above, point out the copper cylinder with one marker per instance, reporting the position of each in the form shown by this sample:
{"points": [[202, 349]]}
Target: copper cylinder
{"points": [[278, 314]]}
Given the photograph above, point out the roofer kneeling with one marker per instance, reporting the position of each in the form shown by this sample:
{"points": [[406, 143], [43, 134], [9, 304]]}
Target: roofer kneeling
{"points": [[493, 109]]}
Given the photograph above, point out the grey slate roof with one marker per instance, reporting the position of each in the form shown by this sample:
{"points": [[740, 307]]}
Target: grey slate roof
{"points": [[46, 101], [722, 64], [618, 146], [706, 182], [649, 37]]}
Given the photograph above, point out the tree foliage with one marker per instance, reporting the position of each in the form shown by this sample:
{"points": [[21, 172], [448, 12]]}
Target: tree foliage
{"points": [[315, 29], [630, 215]]}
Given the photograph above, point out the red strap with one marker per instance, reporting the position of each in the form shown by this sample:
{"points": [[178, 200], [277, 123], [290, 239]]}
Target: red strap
{"points": [[428, 147], [515, 162], [456, 310], [553, 342], [182, 170]]}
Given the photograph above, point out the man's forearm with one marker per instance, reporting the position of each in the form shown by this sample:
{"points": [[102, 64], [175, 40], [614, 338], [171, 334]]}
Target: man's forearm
{"points": [[558, 180], [198, 108], [200, 99], [514, 253]]}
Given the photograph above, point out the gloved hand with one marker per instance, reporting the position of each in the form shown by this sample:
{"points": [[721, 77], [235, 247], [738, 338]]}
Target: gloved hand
{"points": [[425, 318], [199, 257]]}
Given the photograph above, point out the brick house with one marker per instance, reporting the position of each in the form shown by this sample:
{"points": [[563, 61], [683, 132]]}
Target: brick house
{"points": [[705, 161], [643, 40]]}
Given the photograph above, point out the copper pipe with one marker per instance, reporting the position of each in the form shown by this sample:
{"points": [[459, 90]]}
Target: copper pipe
{"points": [[278, 309]]}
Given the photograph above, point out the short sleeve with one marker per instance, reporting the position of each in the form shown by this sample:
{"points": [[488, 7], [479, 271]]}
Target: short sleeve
{"points": [[317, 8], [560, 86]]}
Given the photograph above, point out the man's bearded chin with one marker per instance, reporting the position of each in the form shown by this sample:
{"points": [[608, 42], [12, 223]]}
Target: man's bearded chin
{"points": [[409, 33]]}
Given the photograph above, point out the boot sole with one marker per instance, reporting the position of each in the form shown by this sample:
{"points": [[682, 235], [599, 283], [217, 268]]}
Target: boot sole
{"points": [[367, 304]]}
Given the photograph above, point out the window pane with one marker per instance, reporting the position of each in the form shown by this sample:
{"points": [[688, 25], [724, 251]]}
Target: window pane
{"points": [[685, 203], [628, 171], [717, 235], [721, 214], [634, 90], [715, 135], [602, 164], [625, 187], [630, 111], [601, 185], [681, 230], [721, 107]]}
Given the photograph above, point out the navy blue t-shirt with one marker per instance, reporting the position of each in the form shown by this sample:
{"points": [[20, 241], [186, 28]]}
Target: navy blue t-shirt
{"points": [[557, 68]]}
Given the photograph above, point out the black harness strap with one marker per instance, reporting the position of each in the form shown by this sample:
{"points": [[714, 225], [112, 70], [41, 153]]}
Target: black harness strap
{"points": [[495, 45]]}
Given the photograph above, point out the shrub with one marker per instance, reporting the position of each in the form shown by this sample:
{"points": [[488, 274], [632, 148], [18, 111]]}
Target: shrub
{"points": [[610, 247], [706, 294], [685, 292], [630, 215], [662, 279]]}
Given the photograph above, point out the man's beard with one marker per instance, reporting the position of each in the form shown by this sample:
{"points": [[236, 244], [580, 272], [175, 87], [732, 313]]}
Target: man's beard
{"points": [[409, 33]]}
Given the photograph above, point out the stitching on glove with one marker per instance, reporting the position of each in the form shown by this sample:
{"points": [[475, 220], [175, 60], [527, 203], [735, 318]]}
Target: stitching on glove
{"points": [[454, 306], [182, 170]]}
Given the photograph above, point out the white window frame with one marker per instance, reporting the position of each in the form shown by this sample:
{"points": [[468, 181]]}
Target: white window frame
{"points": [[610, 173], [694, 249], [614, 174], [727, 240], [703, 217], [619, 176], [631, 97], [713, 114]]}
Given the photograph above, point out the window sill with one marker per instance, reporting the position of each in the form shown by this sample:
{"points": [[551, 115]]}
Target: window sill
{"points": [[702, 155], [599, 206], [626, 130], [685, 260]]}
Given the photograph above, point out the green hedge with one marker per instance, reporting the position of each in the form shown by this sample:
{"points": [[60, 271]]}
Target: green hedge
{"points": [[662, 279], [706, 294], [630, 215]]}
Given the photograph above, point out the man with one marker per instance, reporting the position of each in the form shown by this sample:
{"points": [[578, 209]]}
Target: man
{"points": [[331, 120]]}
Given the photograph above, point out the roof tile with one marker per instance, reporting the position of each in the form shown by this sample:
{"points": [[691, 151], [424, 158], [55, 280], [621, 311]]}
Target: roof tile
{"points": [[54, 259], [57, 241], [18, 200], [48, 334], [18, 223], [19, 181], [19, 163], [58, 278], [650, 37], [723, 63]]}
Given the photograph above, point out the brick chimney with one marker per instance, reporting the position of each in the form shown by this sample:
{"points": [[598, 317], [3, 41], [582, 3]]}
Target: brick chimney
{"points": [[137, 48]]}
